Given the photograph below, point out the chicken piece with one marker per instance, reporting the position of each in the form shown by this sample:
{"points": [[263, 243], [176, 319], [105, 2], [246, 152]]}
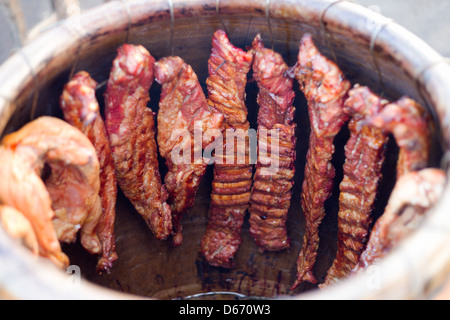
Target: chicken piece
{"points": [[271, 194], [183, 114], [59, 168], [228, 68], [365, 155], [409, 124], [325, 88], [131, 129], [81, 110], [22, 189], [19, 227], [414, 195]]}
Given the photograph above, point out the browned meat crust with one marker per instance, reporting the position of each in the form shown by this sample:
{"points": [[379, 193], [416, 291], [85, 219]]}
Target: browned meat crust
{"points": [[131, 129], [414, 194], [271, 196], [183, 117], [410, 125], [365, 155], [81, 110], [232, 182], [325, 88]]}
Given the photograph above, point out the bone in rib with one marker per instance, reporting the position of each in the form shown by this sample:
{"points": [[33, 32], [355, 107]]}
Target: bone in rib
{"points": [[228, 68], [81, 109], [365, 155], [182, 109], [131, 130], [272, 187], [325, 88]]}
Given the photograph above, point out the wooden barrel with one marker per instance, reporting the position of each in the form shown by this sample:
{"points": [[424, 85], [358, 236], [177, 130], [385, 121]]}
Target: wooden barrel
{"points": [[371, 49]]}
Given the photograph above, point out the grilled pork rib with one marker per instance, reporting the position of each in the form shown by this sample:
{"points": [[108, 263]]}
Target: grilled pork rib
{"points": [[52, 178], [325, 88], [365, 155], [272, 189], [409, 124], [414, 194], [232, 182], [131, 130], [81, 109], [182, 110]]}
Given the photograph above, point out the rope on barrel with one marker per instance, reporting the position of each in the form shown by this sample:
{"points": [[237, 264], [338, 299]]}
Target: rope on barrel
{"points": [[220, 18], [377, 28], [324, 28], [128, 11], [172, 26], [269, 23], [418, 82]]}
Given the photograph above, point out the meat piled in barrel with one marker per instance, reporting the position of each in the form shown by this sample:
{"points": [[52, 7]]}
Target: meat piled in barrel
{"points": [[81, 109], [184, 118], [325, 88], [365, 155], [50, 174], [274, 177], [131, 129], [228, 68]]}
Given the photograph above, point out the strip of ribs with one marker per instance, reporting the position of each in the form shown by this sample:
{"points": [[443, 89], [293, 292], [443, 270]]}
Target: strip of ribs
{"points": [[365, 155], [414, 194], [232, 182], [183, 109], [81, 109], [55, 175], [131, 129], [271, 193], [325, 88], [409, 124]]}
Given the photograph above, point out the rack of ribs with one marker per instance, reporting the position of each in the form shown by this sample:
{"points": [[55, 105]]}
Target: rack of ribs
{"points": [[184, 118], [81, 109], [325, 88], [273, 182], [131, 129], [233, 174], [414, 194], [365, 155], [50, 173]]}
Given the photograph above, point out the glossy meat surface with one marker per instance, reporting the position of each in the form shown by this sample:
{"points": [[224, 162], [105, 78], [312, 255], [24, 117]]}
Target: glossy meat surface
{"points": [[131, 129], [271, 193], [228, 68], [81, 109], [325, 88], [184, 118], [365, 155]]}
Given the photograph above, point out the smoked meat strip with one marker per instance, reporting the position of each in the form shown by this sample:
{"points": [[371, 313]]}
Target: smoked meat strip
{"points": [[365, 155], [271, 193], [228, 68], [414, 194], [325, 88], [81, 109], [131, 129], [183, 112], [410, 125]]}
